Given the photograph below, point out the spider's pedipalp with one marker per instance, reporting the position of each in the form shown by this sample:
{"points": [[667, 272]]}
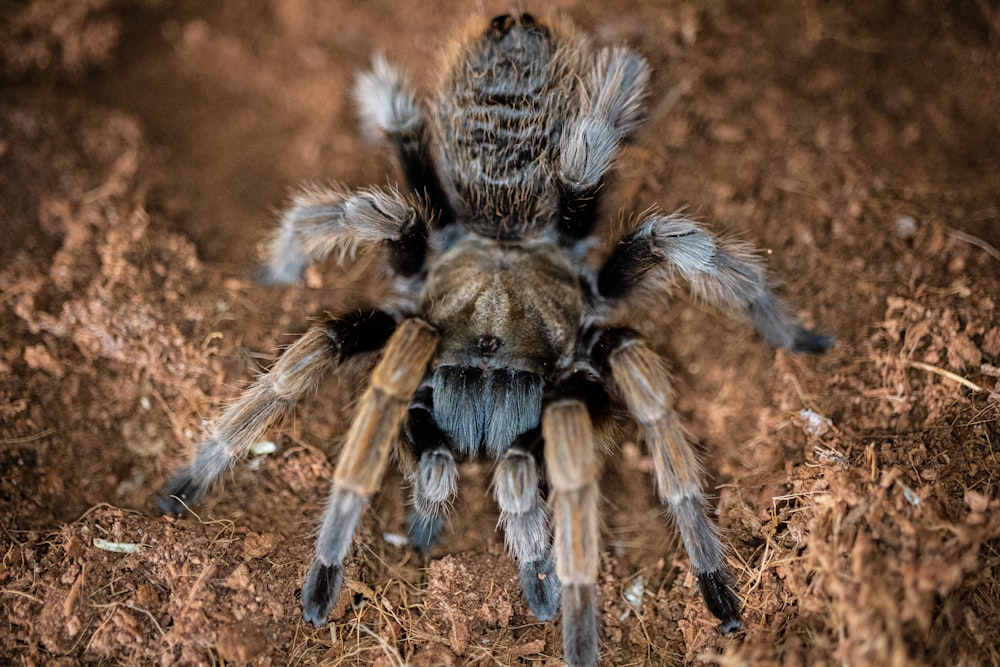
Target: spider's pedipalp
{"points": [[572, 466], [516, 482], [363, 458], [524, 517], [435, 482], [322, 220], [644, 384], [434, 478], [271, 398], [727, 275]]}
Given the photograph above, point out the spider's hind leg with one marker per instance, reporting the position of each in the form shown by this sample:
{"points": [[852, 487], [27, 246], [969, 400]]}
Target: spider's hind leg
{"points": [[388, 106], [611, 106]]}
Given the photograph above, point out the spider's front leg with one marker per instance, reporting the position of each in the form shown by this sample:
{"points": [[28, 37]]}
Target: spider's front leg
{"points": [[572, 467], [727, 275], [363, 459], [644, 384], [271, 398]]}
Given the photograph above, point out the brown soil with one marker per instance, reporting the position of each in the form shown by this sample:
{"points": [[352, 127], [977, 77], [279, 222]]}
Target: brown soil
{"points": [[143, 147]]}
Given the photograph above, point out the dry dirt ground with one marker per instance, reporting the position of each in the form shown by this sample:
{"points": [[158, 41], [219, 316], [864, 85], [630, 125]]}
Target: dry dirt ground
{"points": [[144, 146]]}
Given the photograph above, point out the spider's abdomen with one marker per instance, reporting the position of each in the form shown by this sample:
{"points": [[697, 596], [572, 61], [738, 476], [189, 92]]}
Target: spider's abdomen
{"points": [[497, 122], [509, 316]]}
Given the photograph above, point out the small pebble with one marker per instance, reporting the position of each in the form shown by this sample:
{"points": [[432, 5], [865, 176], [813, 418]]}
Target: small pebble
{"points": [[906, 226]]}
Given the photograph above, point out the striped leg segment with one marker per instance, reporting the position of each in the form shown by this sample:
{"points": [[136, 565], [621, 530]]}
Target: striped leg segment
{"points": [[572, 467], [644, 385], [363, 459], [270, 399], [435, 482]]}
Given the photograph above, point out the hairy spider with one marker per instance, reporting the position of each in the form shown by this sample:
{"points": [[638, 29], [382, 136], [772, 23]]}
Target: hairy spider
{"points": [[499, 337]]}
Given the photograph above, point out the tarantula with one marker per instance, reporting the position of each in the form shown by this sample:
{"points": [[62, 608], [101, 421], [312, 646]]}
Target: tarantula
{"points": [[499, 334]]}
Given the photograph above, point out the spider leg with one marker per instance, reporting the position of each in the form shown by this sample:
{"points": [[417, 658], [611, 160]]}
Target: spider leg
{"points": [[322, 220], [572, 467], [728, 275], [389, 108], [271, 398], [363, 458], [644, 385], [434, 479], [524, 516], [611, 108]]}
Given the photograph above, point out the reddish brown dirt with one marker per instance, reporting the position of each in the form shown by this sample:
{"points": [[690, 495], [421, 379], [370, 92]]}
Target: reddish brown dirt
{"points": [[144, 145]]}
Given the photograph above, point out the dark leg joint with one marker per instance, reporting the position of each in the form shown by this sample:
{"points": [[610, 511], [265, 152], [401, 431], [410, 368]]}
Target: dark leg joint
{"points": [[180, 493], [630, 261], [362, 331], [320, 591], [418, 169], [579, 211], [420, 429], [582, 383], [530, 441], [720, 599], [500, 26], [541, 587], [605, 342], [409, 250]]}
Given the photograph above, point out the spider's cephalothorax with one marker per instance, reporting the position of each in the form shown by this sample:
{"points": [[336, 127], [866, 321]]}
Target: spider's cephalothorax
{"points": [[498, 337]]}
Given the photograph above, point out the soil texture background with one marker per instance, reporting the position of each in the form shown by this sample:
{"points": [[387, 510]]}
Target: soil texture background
{"points": [[145, 146]]}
